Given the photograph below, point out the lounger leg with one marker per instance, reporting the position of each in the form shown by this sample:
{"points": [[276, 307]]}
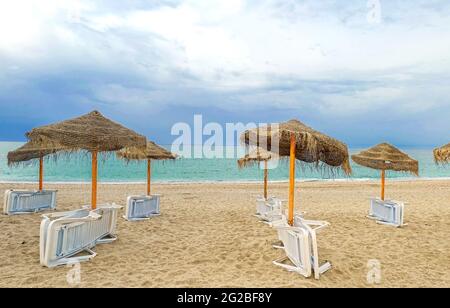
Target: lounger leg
{"points": [[278, 245], [135, 219], [324, 267], [71, 260], [381, 222], [390, 224], [38, 210], [318, 269], [290, 268], [140, 218], [372, 217], [262, 219], [107, 239]]}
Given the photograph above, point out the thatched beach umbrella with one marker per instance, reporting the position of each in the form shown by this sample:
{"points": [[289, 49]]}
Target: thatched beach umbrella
{"points": [[257, 156], [91, 132], [298, 141], [442, 154], [151, 152], [31, 151], [386, 157]]}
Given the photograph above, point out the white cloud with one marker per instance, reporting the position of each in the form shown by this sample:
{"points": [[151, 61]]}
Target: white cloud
{"points": [[241, 49]]}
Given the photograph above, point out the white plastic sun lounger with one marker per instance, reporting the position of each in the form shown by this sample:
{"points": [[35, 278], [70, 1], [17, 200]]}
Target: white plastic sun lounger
{"points": [[28, 201], [269, 210], [65, 235], [282, 222], [300, 246], [388, 212], [142, 207]]}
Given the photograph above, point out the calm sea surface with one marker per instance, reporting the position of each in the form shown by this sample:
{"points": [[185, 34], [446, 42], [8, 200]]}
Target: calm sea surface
{"points": [[77, 169]]}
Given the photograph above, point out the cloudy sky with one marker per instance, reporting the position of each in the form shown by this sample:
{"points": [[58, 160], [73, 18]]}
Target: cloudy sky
{"points": [[361, 71]]}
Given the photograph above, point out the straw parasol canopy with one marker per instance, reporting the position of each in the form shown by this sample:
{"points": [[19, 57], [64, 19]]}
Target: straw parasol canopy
{"points": [[298, 141], [311, 145], [256, 156], [152, 151], [33, 150], [387, 157], [442, 154], [92, 132], [30, 151]]}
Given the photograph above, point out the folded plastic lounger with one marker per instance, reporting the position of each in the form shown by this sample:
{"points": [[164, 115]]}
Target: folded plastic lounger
{"points": [[28, 201], [65, 235], [300, 246], [269, 210], [388, 212], [142, 207], [282, 222]]}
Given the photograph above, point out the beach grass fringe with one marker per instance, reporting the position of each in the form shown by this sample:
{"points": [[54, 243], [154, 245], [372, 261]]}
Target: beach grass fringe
{"points": [[32, 151], [319, 151], [62, 155], [323, 169]]}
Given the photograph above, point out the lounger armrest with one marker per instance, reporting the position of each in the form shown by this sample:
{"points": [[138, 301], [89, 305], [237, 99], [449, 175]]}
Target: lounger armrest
{"points": [[61, 215], [103, 206], [286, 228], [316, 225], [273, 224], [57, 214], [94, 216], [113, 206], [320, 223], [25, 195], [399, 202], [320, 227], [90, 217]]}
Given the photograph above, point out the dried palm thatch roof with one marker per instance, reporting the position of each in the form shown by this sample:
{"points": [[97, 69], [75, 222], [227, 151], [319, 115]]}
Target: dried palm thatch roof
{"points": [[255, 156], [442, 154], [312, 146], [91, 132], [152, 151], [387, 157], [29, 151]]}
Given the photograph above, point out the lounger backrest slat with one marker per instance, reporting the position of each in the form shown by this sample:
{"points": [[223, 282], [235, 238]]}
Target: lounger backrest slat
{"points": [[387, 211], [298, 248], [71, 234], [139, 207], [29, 201]]}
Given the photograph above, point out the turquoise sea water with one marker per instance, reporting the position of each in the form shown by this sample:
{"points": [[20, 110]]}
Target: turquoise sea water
{"points": [[78, 169]]}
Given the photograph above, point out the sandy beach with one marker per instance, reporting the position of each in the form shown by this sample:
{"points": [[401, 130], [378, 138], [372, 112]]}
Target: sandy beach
{"points": [[207, 237]]}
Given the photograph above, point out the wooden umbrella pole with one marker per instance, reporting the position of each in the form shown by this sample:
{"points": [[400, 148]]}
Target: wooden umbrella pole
{"points": [[291, 181], [41, 173], [149, 175], [266, 175], [94, 180], [383, 183]]}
